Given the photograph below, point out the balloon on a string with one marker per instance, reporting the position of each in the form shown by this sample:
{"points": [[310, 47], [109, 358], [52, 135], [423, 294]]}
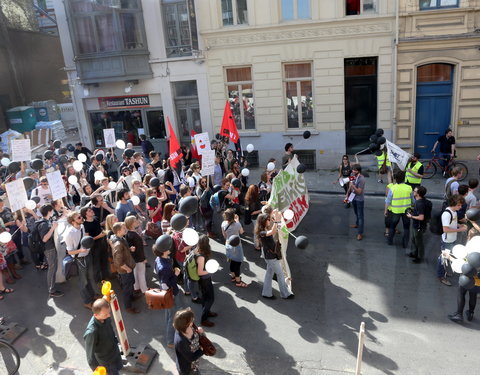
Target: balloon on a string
{"points": [[5, 162], [154, 182], [98, 175], [301, 168], [217, 136], [70, 147], [457, 265], [301, 242], [14, 167], [120, 144], [288, 214], [212, 266], [30, 204], [373, 138], [57, 143], [63, 159], [473, 245], [77, 165], [82, 157], [270, 166], [245, 172], [306, 134], [190, 236], [135, 200], [373, 147], [459, 251], [250, 147], [5, 237], [36, 164], [188, 206], [234, 240], [152, 202], [72, 180], [87, 242], [468, 270], [112, 185], [48, 154], [99, 157], [130, 213], [129, 153], [36, 199], [28, 183], [474, 259], [379, 132], [466, 282], [236, 183], [178, 222], [381, 140], [163, 243], [473, 214], [216, 188]]}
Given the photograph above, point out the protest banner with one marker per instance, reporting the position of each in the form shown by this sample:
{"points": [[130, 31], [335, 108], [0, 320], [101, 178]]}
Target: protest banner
{"points": [[208, 163], [397, 155], [17, 195], [21, 150], [109, 136], [202, 142], [56, 184]]}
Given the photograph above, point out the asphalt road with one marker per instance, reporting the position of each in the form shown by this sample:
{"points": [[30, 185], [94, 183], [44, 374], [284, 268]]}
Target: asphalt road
{"points": [[338, 282]]}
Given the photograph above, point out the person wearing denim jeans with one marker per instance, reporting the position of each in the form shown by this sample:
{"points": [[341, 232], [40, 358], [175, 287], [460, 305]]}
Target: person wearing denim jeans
{"points": [[356, 187], [205, 282]]}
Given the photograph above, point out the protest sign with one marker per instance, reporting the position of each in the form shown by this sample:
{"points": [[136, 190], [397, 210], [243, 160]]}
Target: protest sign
{"points": [[17, 195], [203, 143], [208, 163], [21, 150], [397, 155], [109, 135], [56, 184]]}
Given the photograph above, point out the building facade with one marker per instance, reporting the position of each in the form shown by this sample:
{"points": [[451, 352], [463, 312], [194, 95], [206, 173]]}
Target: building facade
{"points": [[287, 66], [132, 63], [439, 74]]}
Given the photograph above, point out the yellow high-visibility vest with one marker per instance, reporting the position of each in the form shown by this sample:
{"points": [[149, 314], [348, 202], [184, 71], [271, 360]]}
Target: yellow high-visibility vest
{"points": [[409, 177], [381, 159], [401, 198], [389, 186]]}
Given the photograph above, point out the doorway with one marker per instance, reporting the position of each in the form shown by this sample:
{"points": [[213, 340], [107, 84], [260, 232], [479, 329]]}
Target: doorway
{"points": [[360, 102], [156, 129], [434, 105]]}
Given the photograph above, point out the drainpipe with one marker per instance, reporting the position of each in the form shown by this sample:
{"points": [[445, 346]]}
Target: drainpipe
{"points": [[395, 59]]}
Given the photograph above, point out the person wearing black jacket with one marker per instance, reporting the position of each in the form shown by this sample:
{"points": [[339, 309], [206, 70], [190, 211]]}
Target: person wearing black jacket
{"points": [[187, 346], [134, 240]]}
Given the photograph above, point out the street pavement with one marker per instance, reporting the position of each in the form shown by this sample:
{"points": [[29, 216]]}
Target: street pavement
{"points": [[338, 282]]}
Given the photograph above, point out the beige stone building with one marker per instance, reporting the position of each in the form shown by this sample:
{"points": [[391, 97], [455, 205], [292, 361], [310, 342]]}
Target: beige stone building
{"points": [[439, 74], [293, 65]]}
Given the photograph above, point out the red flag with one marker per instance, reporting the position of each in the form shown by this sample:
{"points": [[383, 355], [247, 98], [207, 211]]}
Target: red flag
{"points": [[193, 146], [174, 149], [229, 128]]}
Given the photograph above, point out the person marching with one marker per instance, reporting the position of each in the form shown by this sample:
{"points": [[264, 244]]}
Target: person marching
{"points": [[384, 166], [414, 171], [419, 217]]}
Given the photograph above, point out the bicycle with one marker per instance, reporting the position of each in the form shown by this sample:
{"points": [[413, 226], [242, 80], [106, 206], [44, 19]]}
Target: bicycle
{"points": [[9, 359], [430, 167]]}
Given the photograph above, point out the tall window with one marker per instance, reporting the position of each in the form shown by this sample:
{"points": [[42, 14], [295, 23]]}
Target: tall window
{"points": [[107, 25], [179, 27], [355, 7], [234, 12], [240, 94], [295, 9], [435, 4], [298, 92]]}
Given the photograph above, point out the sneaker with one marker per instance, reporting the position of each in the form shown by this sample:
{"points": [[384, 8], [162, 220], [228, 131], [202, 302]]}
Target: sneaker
{"points": [[380, 181], [291, 296], [444, 281], [457, 318], [267, 297], [56, 293], [469, 315]]}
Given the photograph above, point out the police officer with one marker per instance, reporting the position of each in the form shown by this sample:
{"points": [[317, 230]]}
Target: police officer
{"points": [[414, 171]]}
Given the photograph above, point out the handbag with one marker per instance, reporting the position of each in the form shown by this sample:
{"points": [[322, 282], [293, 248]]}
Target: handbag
{"points": [[207, 346], [69, 267], [152, 230], [158, 299]]}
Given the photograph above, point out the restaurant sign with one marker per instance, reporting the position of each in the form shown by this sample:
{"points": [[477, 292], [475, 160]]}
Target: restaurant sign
{"points": [[132, 101]]}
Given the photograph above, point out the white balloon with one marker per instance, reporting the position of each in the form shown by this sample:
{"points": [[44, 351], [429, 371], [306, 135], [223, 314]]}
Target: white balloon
{"points": [[245, 172], [5, 237], [112, 185], [31, 205], [98, 175], [82, 157], [5, 162], [135, 200], [270, 166], [120, 144], [249, 147], [190, 237], [457, 265], [212, 266], [288, 214], [459, 251], [77, 165], [473, 245], [72, 180]]}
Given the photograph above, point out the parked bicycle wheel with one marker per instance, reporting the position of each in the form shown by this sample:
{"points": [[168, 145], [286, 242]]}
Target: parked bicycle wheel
{"points": [[429, 169], [9, 359], [462, 167]]}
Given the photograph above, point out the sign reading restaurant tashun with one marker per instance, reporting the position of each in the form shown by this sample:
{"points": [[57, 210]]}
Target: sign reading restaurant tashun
{"points": [[132, 101]]}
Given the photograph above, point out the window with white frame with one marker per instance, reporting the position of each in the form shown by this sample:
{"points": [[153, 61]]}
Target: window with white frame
{"points": [[295, 9], [298, 83], [240, 95], [356, 7], [436, 4], [234, 12], [179, 27]]}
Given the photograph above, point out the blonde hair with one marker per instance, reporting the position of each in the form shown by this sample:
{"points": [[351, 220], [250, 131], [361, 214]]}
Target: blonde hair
{"points": [[109, 222], [129, 222]]}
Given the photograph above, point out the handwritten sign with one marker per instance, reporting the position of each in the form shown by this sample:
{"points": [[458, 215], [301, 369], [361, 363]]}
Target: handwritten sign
{"points": [[208, 163], [109, 135], [203, 143], [21, 150], [17, 195], [56, 184]]}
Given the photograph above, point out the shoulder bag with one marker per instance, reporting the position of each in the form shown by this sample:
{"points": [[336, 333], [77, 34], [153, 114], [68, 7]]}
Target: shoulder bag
{"points": [[207, 346]]}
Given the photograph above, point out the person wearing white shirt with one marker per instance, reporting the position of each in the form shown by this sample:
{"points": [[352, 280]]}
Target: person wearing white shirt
{"points": [[43, 192], [471, 199], [451, 185]]}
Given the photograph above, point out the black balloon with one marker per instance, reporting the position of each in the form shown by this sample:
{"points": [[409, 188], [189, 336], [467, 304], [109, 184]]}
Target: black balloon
{"points": [[129, 153], [306, 134], [36, 164], [14, 167], [163, 243], [379, 153], [152, 202], [131, 213], [216, 188], [36, 199], [301, 242], [63, 159], [154, 182], [62, 151], [373, 138], [381, 140], [236, 183], [379, 132], [57, 143], [468, 270], [188, 206], [234, 240], [28, 183], [48, 154], [301, 168], [99, 157], [466, 282], [373, 147], [474, 260], [70, 147], [178, 221], [87, 242], [473, 214], [217, 136]]}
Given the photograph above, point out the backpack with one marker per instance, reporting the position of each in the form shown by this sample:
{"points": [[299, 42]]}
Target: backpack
{"points": [[190, 266], [436, 226], [448, 189], [35, 242], [215, 202], [205, 199]]}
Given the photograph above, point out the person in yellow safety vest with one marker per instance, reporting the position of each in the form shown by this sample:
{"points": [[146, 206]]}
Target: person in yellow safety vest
{"points": [[414, 171], [400, 198], [384, 165]]}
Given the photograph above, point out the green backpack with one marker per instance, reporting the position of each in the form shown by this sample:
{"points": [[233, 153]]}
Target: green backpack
{"points": [[190, 265]]}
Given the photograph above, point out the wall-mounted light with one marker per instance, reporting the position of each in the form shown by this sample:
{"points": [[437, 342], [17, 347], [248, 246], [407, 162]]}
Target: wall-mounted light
{"points": [[130, 84]]}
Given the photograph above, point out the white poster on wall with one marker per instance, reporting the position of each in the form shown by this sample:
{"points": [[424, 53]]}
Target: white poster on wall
{"points": [[56, 184], [202, 141], [208, 163], [17, 195], [21, 150], [109, 135]]}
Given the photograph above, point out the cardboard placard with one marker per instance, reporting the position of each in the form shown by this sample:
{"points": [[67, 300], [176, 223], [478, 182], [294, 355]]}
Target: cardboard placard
{"points": [[109, 136], [21, 149], [17, 195], [208, 163], [202, 142], [56, 184]]}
